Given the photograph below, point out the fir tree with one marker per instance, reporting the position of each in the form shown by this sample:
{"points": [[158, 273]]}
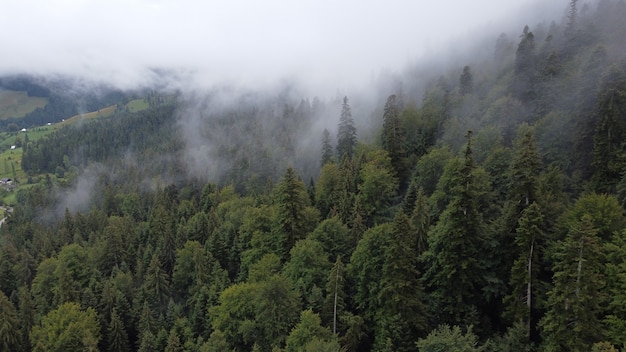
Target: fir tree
{"points": [[291, 201], [346, 136], [466, 81], [454, 264], [402, 318], [525, 281], [572, 322], [327, 149]]}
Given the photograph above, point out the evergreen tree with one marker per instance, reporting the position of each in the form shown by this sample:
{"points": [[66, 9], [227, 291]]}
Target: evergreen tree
{"points": [[454, 260], [291, 202], [393, 136], [572, 322], [117, 335], [402, 318], [334, 303], [327, 149], [466, 81], [525, 281], [10, 339], [525, 71], [609, 147], [346, 135], [420, 221]]}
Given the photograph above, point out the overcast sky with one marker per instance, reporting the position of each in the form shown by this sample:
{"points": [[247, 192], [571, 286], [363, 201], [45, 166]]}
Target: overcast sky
{"points": [[243, 41]]}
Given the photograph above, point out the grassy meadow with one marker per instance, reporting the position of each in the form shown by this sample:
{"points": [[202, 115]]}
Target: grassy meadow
{"points": [[14, 104], [11, 159]]}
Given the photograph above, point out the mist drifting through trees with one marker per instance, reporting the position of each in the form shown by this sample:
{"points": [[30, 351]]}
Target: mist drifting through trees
{"points": [[469, 202]]}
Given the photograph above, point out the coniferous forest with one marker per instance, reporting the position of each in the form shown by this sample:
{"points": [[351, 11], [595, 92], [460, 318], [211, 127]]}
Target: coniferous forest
{"points": [[483, 211]]}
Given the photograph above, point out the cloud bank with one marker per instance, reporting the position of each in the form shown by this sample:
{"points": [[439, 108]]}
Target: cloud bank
{"points": [[328, 44]]}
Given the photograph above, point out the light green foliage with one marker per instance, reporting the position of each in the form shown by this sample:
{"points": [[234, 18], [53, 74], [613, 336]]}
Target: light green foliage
{"points": [[256, 313], [332, 234], [327, 188], [365, 269], [446, 338], [607, 216], [43, 281], [67, 328], [263, 269], [378, 188], [308, 329], [308, 268]]}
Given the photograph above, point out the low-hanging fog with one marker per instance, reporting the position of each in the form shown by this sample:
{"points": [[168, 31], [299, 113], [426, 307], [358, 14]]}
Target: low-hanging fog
{"points": [[224, 55], [323, 45]]}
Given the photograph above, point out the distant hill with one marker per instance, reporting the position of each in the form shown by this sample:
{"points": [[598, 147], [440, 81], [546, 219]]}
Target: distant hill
{"points": [[30, 101], [17, 104]]}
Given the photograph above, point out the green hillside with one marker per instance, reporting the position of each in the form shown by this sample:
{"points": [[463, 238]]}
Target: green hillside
{"points": [[487, 212], [15, 104]]}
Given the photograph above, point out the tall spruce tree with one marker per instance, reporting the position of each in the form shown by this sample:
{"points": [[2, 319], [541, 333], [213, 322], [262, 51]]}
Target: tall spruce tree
{"points": [[291, 202], [327, 149], [402, 317], [393, 136], [521, 303], [454, 268], [572, 322], [346, 136]]}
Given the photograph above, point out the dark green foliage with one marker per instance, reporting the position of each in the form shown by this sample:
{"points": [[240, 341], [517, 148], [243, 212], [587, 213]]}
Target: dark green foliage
{"points": [[394, 136], [572, 321], [10, 339], [455, 270], [608, 148], [291, 201], [403, 316], [194, 237]]}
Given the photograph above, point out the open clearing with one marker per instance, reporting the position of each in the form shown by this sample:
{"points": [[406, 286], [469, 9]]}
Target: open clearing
{"points": [[15, 104]]}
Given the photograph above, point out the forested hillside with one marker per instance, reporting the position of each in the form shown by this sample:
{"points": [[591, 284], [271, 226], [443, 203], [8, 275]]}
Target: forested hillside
{"points": [[483, 211]]}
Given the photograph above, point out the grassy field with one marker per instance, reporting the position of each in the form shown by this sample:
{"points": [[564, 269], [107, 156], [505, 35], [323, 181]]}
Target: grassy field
{"points": [[15, 104], [11, 159]]}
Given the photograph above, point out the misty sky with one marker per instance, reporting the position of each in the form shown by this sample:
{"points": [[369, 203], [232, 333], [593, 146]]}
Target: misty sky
{"points": [[244, 41]]}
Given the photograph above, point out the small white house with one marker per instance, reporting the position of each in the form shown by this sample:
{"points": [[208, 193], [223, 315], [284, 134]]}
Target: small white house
{"points": [[23, 130], [12, 147]]}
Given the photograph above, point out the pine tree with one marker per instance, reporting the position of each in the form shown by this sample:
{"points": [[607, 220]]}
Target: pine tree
{"points": [[346, 136], [572, 322]]}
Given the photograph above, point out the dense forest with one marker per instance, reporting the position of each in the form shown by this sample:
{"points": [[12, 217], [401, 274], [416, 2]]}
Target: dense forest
{"points": [[482, 212]]}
